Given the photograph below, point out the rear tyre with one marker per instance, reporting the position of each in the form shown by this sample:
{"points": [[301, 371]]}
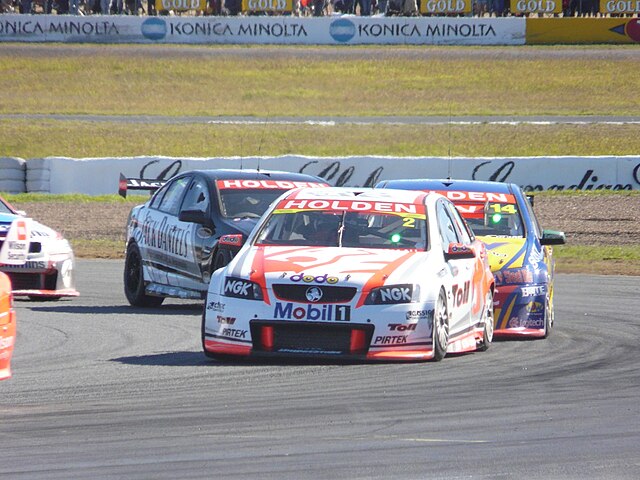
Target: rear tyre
{"points": [[440, 328], [134, 280], [488, 322]]}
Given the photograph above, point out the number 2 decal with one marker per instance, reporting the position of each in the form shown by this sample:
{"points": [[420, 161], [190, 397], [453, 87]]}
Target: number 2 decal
{"points": [[409, 222]]}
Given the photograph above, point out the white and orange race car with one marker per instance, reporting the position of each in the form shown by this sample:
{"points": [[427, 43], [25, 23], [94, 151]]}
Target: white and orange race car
{"points": [[353, 273], [38, 260]]}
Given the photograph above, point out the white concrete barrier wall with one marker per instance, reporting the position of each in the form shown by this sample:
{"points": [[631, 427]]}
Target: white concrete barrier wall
{"points": [[38, 175], [284, 30], [98, 176], [12, 175]]}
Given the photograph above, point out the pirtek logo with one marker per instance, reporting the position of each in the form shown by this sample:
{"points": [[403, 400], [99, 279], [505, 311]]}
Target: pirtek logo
{"points": [[460, 294], [390, 340]]}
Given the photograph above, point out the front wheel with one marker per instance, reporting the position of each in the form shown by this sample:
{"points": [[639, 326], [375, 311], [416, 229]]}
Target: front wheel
{"points": [[43, 299], [440, 328], [222, 258], [134, 280], [487, 322], [548, 314]]}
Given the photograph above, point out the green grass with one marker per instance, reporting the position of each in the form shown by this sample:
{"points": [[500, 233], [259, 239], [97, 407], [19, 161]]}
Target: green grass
{"points": [[98, 139], [318, 82], [215, 80], [598, 253], [72, 197], [599, 260]]}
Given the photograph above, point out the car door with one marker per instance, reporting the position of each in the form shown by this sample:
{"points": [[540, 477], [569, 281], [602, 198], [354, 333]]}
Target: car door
{"points": [[461, 270], [168, 249], [198, 199]]}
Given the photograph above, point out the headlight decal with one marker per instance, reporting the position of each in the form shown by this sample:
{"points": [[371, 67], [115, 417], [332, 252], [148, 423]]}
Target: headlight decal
{"points": [[393, 294], [241, 288]]}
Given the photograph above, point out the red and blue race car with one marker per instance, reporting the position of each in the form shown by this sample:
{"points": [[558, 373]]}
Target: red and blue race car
{"points": [[520, 252]]}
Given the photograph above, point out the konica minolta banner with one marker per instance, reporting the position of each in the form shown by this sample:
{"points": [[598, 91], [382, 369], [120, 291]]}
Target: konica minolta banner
{"points": [[333, 30]]}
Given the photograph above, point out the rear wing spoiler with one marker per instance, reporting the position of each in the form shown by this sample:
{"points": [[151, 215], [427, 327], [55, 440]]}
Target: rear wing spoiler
{"points": [[125, 184]]}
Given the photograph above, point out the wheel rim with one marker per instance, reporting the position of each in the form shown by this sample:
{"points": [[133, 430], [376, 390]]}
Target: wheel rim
{"points": [[548, 313], [489, 320], [442, 324], [133, 272]]}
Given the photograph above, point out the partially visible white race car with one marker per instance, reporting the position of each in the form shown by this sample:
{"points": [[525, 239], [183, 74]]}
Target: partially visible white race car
{"points": [[355, 273], [37, 259]]}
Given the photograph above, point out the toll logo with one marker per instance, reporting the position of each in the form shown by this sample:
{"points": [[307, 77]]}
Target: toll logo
{"points": [[401, 327], [460, 294], [630, 29]]}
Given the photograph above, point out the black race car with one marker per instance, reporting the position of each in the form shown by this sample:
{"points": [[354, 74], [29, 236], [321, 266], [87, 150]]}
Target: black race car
{"points": [[192, 225]]}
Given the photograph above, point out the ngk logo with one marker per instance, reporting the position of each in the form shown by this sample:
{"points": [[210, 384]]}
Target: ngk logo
{"points": [[460, 294], [395, 294], [237, 288]]}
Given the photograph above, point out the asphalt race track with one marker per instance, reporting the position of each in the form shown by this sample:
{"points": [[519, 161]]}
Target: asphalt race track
{"points": [[105, 391]]}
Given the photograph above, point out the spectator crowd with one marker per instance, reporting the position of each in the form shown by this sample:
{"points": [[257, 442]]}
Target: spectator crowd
{"points": [[480, 8]]}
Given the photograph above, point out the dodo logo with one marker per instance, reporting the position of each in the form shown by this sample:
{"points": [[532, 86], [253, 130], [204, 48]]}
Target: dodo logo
{"points": [[301, 277]]}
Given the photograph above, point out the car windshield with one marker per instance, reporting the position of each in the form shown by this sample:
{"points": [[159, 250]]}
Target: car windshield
{"points": [[334, 228], [4, 208], [246, 202], [493, 219]]}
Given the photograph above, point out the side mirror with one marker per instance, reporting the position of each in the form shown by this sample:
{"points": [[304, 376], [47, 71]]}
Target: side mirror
{"points": [[232, 240], [553, 237], [459, 251], [531, 198], [195, 216]]}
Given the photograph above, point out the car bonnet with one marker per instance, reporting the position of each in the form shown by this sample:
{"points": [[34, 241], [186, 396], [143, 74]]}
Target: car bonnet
{"points": [[505, 252], [356, 267]]}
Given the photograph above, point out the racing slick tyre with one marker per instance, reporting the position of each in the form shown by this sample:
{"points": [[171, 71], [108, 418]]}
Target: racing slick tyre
{"points": [[440, 328], [222, 258], [488, 322], [548, 315], [134, 280]]}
